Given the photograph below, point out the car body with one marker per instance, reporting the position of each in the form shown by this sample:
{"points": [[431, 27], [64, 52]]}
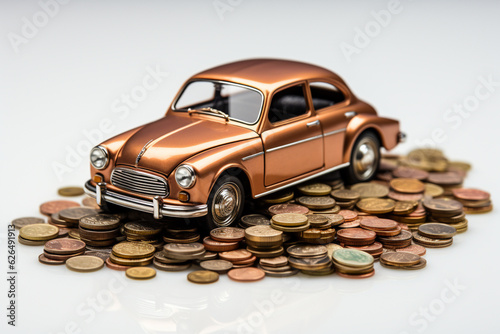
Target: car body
{"points": [[247, 128]]}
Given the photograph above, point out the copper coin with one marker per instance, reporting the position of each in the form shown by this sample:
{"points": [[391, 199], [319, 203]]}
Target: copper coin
{"points": [[351, 224], [274, 261], [470, 194], [334, 218], [401, 237], [217, 246], [437, 231], [114, 266], [443, 206], [316, 202], [70, 191], [61, 257], [235, 255], [100, 221], [249, 274], [250, 260], [445, 179], [288, 208], [90, 202], [415, 249], [397, 196], [389, 233], [357, 276], [43, 259], [64, 246], [219, 266], [421, 264], [51, 207], [227, 234], [374, 248], [407, 186], [23, 221], [348, 215], [410, 173], [431, 242], [378, 224], [356, 236], [400, 259], [73, 215]]}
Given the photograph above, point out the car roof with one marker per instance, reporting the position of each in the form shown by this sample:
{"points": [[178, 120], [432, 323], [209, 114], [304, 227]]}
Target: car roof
{"points": [[266, 74]]}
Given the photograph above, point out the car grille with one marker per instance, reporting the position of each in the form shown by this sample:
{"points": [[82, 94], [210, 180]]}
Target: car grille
{"points": [[139, 182]]}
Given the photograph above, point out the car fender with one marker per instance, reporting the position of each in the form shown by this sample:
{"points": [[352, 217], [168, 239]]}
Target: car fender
{"points": [[386, 128]]}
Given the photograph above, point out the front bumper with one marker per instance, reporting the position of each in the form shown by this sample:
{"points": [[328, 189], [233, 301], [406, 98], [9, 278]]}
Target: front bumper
{"points": [[156, 206]]}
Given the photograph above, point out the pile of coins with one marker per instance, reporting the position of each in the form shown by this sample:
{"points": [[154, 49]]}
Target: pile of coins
{"points": [[402, 260], [277, 267], [310, 259], [353, 263], [37, 234], [144, 231], [473, 200], [99, 230], [130, 254], [434, 235], [264, 241], [57, 251]]}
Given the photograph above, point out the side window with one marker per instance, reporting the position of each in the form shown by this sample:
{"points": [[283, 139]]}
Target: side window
{"points": [[325, 95], [287, 104]]}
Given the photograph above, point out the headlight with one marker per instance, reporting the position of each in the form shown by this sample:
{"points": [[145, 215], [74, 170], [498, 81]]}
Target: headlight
{"points": [[185, 176], [99, 157]]}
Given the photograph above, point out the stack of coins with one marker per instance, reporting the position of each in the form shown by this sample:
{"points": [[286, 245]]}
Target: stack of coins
{"points": [[310, 259], [264, 241], [37, 234], [321, 231], [180, 233], [290, 222], [239, 258], [161, 262], [406, 189], [346, 198], [356, 237], [320, 204], [382, 227], [130, 254], [375, 249], [57, 251], [447, 180], [184, 252], [403, 239], [412, 220], [315, 189], [353, 263], [376, 206], [99, 230], [444, 209], [350, 219], [434, 235], [224, 239], [473, 200], [143, 231], [277, 267], [370, 190], [218, 266], [402, 260], [287, 208], [70, 217], [253, 220]]}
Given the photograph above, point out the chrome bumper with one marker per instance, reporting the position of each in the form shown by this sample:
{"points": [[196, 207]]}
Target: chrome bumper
{"points": [[156, 206]]}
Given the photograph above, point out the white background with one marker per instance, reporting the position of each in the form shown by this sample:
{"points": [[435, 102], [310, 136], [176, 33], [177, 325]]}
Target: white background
{"points": [[62, 79]]}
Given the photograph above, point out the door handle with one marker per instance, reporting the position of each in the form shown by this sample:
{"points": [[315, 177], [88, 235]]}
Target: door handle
{"points": [[350, 114], [313, 123]]}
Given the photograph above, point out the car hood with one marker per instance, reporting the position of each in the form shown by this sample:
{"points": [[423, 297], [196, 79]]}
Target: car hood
{"points": [[165, 143]]}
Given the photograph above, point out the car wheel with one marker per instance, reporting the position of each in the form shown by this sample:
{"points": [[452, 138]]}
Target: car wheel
{"points": [[365, 158], [225, 203]]}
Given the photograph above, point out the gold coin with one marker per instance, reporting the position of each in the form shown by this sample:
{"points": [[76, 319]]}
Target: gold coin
{"points": [[433, 190], [376, 205], [133, 250], [140, 273], [407, 186], [332, 248], [261, 233], [144, 228], [279, 197], [405, 207], [130, 262], [203, 277], [39, 232], [84, 263], [370, 190], [289, 219], [316, 202], [315, 189], [70, 191], [290, 229], [345, 195]]}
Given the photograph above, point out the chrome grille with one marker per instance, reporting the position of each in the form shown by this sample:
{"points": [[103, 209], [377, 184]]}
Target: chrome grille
{"points": [[139, 182]]}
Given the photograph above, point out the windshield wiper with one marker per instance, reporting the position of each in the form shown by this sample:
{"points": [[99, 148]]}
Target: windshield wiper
{"points": [[211, 110]]}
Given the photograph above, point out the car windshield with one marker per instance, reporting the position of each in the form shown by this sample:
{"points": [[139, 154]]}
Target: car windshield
{"points": [[240, 103]]}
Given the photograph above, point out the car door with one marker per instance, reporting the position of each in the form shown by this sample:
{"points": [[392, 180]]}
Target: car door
{"points": [[331, 105], [293, 143]]}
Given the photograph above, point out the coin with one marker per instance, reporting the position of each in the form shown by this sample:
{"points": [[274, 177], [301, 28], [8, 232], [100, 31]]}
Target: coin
{"points": [[269, 252], [397, 196], [51, 207], [376, 205], [133, 250], [345, 195], [404, 207], [378, 224], [102, 255], [304, 250], [43, 259], [443, 206], [421, 264], [183, 249], [70, 191], [24, 221], [437, 231], [431, 242], [352, 257], [286, 273], [64, 246], [369, 189], [254, 219], [357, 276], [143, 228], [203, 277], [375, 249], [140, 273], [100, 221], [356, 237], [217, 246], [407, 186], [316, 220], [433, 190], [315, 189], [90, 202], [310, 263], [279, 197], [60, 257], [39, 232], [288, 208], [171, 266], [410, 173], [316, 202], [277, 261], [235, 255], [227, 234], [351, 224], [427, 159], [470, 194], [290, 229], [73, 215], [415, 249], [400, 259], [115, 266], [348, 215], [289, 219], [84, 263], [263, 233], [143, 261], [445, 179], [219, 266]]}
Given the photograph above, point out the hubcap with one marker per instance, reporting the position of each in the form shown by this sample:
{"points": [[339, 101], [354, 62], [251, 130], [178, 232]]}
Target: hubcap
{"points": [[365, 159], [226, 204]]}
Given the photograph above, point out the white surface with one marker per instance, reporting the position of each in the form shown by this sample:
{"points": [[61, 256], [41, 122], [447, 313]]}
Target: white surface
{"points": [[66, 79]]}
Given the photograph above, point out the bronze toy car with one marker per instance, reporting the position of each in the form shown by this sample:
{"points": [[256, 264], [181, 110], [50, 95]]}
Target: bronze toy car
{"points": [[248, 128]]}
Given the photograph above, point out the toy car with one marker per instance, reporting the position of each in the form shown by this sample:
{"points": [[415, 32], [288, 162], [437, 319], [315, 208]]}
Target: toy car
{"points": [[247, 128]]}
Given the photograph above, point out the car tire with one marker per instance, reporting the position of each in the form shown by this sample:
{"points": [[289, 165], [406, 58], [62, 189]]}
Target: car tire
{"points": [[365, 158], [226, 202]]}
